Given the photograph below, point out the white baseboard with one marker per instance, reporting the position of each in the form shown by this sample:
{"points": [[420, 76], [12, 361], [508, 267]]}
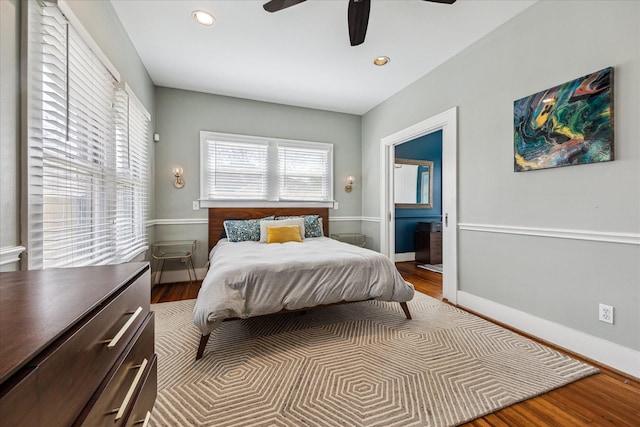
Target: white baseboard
{"points": [[176, 276], [602, 351], [405, 256], [10, 254]]}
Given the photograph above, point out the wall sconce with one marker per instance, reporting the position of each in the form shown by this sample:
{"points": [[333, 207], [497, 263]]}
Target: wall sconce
{"points": [[349, 185], [177, 172]]}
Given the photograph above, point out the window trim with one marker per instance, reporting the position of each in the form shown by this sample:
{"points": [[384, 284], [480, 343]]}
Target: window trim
{"points": [[225, 203]]}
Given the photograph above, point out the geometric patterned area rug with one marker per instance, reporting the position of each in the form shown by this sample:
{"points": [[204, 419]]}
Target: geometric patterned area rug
{"points": [[361, 364], [437, 268]]}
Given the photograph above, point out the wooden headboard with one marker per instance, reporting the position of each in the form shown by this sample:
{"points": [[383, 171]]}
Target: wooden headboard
{"points": [[218, 215]]}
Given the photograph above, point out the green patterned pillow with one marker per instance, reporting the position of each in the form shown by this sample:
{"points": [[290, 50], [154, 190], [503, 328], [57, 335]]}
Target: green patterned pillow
{"points": [[239, 230], [312, 225]]}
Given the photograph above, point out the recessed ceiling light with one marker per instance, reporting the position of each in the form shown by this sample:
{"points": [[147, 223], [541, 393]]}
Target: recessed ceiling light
{"points": [[202, 17], [381, 60]]}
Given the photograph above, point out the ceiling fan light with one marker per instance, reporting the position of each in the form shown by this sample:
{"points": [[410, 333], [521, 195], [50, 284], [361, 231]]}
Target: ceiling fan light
{"points": [[381, 60], [203, 18]]}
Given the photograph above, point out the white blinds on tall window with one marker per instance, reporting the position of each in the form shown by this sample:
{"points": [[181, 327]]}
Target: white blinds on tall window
{"points": [[131, 175], [131, 172], [236, 167], [80, 136]]}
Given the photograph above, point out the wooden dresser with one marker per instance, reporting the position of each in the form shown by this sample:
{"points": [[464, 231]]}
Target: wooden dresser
{"points": [[428, 243], [77, 347]]}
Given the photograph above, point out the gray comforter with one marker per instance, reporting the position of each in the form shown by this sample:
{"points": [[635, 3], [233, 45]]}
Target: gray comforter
{"points": [[247, 279]]}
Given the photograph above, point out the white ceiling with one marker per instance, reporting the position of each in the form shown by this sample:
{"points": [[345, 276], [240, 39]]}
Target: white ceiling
{"points": [[301, 55]]}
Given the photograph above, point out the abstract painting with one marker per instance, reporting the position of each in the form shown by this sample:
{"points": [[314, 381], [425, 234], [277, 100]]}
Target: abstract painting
{"points": [[569, 124]]}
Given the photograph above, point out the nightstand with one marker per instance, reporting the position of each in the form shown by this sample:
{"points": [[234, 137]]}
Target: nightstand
{"points": [[174, 250]]}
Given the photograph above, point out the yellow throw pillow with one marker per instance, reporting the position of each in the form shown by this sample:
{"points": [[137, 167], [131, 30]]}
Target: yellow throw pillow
{"points": [[287, 233]]}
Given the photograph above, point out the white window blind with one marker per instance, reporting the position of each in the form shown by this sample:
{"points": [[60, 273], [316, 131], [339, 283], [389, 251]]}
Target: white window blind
{"points": [[247, 168], [75, 133], [236, 170], [304, 172], [131, 174]]}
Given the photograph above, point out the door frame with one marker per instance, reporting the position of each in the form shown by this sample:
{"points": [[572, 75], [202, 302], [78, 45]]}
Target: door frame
{"points": [[446, 121]]}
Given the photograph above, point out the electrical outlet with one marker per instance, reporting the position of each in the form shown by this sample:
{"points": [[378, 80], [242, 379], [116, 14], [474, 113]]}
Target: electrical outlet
{"points": [[196, 205], [605, 313], [335, 205]]}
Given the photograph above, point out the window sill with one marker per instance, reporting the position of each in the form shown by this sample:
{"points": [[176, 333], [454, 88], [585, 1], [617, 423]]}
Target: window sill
{"points": [[261, 204]]}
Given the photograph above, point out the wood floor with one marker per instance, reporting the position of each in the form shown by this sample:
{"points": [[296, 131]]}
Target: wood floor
{"points": [[605, 399]]}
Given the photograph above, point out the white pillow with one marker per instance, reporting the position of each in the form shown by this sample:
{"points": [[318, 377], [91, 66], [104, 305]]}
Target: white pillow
{"points": [[280, 223]]}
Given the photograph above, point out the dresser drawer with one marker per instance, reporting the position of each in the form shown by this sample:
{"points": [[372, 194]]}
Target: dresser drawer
{"points": [[17, 400], [118, 392], [82, 359], [141, 411]]}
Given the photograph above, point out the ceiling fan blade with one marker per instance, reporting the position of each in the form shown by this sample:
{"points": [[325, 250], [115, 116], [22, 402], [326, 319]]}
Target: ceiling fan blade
{"points": [[358, 20], [276, 5], [442, 1]]}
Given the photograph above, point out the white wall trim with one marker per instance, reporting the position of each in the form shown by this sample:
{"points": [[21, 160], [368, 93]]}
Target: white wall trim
{"points": [[371, 218], [177, 221], [262, 204], [559, 233], [10, 254], [190, 221], [405, 256], [602, 351], [344, 218], [354, 218]]}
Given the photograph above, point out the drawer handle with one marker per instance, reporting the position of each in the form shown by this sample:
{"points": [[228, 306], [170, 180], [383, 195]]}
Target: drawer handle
{"points": [[145, 421], [114, 341], [125, 403]]}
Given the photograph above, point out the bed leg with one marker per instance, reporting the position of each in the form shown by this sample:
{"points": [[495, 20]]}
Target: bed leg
{"points": [[405, 308], [202, 345]]}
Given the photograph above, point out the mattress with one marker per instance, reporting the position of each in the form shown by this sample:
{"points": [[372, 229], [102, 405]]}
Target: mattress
{"points": [[247, 279]]}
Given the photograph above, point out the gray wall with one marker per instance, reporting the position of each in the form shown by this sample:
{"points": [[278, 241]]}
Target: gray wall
{"points": [[181, 115], [9, 125], [100, 20], [555, 279]]}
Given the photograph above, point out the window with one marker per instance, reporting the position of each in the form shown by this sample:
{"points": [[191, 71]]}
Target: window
{"points": [[236, 170], [246, 169], [86, 162], [132, 164]]}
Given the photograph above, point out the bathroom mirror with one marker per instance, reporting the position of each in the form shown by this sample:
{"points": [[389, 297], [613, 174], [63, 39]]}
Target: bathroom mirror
{"points": [[413, 184]]}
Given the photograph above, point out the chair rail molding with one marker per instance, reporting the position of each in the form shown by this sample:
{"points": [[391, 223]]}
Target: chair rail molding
{"points": [[177, 221], [192, 221], [10, 254], [371, 218], [345, 218], [558, 233]]}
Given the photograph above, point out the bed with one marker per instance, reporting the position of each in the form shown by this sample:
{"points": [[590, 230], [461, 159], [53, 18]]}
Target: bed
{"points": [[249, 278]]}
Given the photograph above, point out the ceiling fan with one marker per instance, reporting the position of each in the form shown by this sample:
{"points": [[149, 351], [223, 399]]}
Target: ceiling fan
{"points": [[358, 15]]}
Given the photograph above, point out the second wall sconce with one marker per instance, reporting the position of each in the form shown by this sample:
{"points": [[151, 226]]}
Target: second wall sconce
{"points": [[177, 172], [349, 186]]}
